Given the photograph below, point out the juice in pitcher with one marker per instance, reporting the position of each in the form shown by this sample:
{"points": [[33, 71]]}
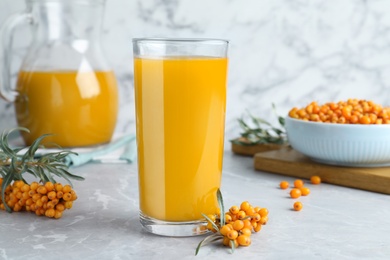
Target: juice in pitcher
{"points": [[78, 108], [180, 109]]}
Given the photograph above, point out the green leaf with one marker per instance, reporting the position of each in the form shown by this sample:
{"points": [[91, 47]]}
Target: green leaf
{"points": [[232, 246], [221, 207], [34, 146], [207, 240], [262, 132], [210, 221]]}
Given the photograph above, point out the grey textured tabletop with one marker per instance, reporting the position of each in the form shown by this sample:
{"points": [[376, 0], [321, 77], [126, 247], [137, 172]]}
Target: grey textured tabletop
{"points": [[335, 223]]}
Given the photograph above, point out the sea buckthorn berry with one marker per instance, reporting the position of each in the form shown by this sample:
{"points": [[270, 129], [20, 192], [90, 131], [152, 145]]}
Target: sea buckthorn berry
{"points": [[66, 188], [42, 190], [315, 179], [283, 185], [36, 197], [256, 217], [60, 207], [226, 241], [31, 192], [49, 186], [55, 201], [19, 195], [232, 234], [234, 210], [52, 195], [68, 204], [34, 185], [25, 188], [11, 204], [18, 184], [241, 214], [58, 186], [228, 218], [39, 203], [17, 207], [305, 191], [238, 225], [74, 195], [298, 206], [50, 205], [295, 193], [67, 196], [29, 202], [298, 183], [254, 223], [223, 230], [246, 231], [15, 190], [59, 194], [244, 205], [263, 212], [50, 213], [257, 228], [244, 240], [44, 198], [263, 220], [247, 224], [57, 214], [33, 207], [25, 195], [250, 211]]}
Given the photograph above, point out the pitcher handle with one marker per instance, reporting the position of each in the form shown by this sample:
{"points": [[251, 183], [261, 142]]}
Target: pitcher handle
{"points": [[6, 36]]}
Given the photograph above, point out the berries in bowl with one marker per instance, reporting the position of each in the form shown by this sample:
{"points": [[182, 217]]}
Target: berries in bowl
{"points": [[354, 133]]}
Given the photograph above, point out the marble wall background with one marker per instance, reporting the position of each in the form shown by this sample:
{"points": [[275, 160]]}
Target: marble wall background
{"points": [[286, 52]]}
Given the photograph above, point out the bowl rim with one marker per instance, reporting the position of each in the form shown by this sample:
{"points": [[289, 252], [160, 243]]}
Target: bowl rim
{"points": [[313, 123]]}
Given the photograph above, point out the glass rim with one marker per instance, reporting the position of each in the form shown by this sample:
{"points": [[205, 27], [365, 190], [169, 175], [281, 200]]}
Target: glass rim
{"points": [[179, 40]]}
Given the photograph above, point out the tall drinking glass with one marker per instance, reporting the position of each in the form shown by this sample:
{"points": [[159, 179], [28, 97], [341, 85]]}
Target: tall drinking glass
{"points": [[180, 97]]}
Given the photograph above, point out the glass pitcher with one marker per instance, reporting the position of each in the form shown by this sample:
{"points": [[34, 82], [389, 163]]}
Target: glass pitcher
{"points": [[64, 86]]}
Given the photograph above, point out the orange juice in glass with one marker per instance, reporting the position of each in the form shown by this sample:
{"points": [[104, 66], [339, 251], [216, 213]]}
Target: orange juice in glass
{"points": [[180, 92]]}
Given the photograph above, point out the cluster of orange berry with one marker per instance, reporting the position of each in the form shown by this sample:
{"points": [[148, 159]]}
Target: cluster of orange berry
{"points": [[49, 199], [299, 190], [352, 111], [240, 222]]}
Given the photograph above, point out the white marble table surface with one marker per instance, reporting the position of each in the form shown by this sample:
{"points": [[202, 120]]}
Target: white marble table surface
{"points": [[335, 223]]}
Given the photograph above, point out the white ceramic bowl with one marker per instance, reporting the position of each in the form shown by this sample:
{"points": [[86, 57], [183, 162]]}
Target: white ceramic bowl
{"points": [[341, 144]]}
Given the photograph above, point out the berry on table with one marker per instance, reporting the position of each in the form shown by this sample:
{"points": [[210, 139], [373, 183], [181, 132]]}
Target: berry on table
{"points": [[298, 183], [284, 185], [298, 206], [315, 179], [295, 193], [305, 191]]}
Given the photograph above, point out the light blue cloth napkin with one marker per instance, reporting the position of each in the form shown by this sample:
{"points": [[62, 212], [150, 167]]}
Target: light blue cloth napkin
{"points": [[121, 150]]}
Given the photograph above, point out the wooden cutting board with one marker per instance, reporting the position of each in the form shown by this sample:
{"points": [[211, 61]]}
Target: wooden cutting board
{"points": [[250, 150], [287, 161]]}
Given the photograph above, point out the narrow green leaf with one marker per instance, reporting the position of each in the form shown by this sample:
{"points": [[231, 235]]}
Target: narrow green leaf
{"points": [[207, 240], [221, 207], [71, 176], [232, 246], [210, 221], [34, 146]]}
